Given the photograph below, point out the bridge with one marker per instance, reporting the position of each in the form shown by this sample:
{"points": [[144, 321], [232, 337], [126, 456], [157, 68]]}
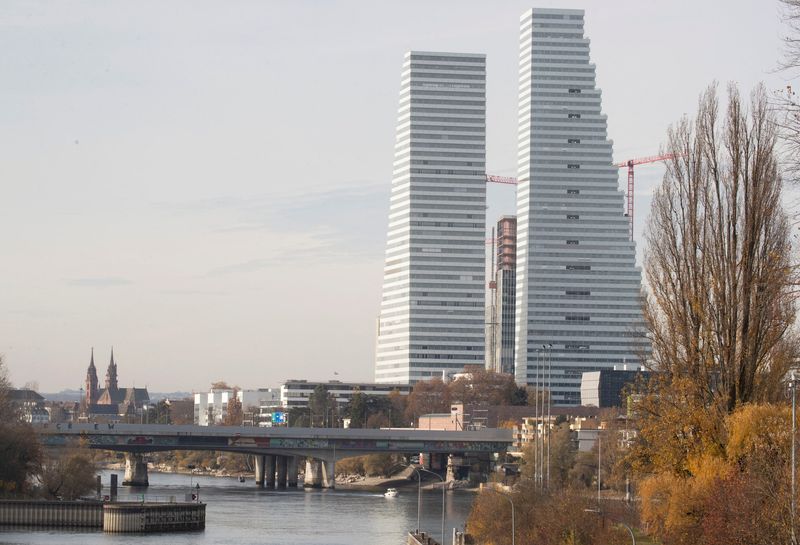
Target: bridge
{"points": [[277, 451]]}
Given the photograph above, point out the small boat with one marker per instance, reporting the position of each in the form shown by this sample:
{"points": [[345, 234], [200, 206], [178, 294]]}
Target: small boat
{"points": [[241, 478], [390, 493]]}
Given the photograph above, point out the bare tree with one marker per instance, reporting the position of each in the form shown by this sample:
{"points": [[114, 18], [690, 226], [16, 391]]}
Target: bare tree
{"points": [[787, 102], [718, 255]]}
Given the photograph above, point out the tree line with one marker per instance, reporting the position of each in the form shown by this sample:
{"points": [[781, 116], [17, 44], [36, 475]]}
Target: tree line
{"points": [[27, 469]]}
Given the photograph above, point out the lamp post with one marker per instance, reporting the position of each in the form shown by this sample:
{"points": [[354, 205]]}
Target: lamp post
{"points": [[630, 530], [443, 491], [549, 404], [793, 388], [419, 493], [513, 526], [537, 420]]}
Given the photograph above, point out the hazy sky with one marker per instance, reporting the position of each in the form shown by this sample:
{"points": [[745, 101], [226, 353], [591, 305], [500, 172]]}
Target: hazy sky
{"points": [[204, 185]]}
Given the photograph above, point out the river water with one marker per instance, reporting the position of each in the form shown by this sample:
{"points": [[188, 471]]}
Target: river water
{"points": [[241, 514]]}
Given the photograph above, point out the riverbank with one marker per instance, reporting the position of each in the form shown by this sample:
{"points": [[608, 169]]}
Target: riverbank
{"points": [[406, 478]]}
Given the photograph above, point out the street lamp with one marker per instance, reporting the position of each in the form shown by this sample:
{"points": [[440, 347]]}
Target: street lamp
{"points": [[419, 493], [443, 491], [630, 530], [793, 388], [513, 526]]}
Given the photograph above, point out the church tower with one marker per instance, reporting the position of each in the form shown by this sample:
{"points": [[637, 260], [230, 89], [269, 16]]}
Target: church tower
{"points": [[91, 382], [111, 374]]}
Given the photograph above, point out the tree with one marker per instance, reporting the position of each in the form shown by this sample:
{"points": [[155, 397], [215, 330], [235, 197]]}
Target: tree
{"points": [[357, 410], [788, 102], [720, 307], [299, 417], [718, 255], [397, 409], [68, 476], [427, 397], [738, 494], [235, 414], [20, 457], [484, 387], [378, 420], [323, 408], [381, 465], [20, 451], [562, 455], [160, 413], [7, 410], [562, 517]]}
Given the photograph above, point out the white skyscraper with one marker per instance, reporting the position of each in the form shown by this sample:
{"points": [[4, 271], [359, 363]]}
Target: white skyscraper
{"points": [[578, 287], [432, 310]]}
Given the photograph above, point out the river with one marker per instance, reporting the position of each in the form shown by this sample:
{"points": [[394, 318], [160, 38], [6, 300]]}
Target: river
{"points": [[241, 514]]}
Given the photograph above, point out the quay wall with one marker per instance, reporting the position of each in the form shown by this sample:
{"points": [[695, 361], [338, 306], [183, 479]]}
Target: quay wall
{"points": [[153, 517], [110, 517], [52, 514]]}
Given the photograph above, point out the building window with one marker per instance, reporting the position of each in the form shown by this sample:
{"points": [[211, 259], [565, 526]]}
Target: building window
{"points": [[574, 116], [573, 140], [573, 217], [576, 318], [573, 191], [573, 165], [575, 91], [573, 242], [579, 268], [578, 293]]}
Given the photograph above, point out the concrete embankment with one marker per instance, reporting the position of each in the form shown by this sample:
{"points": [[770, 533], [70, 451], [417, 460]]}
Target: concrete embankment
{"points": [[158, 517], [110, 517], [51, 514]]}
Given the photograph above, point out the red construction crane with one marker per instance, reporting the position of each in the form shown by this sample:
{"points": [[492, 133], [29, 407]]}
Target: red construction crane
{"points": [[630, 164]]}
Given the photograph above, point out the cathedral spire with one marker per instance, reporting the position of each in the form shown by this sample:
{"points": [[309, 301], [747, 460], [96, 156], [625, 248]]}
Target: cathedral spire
{"points": [[91, 382], [111, 373]]}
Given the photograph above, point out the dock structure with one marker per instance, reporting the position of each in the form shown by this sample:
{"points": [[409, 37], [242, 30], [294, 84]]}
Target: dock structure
{"points": [[111, 517]]}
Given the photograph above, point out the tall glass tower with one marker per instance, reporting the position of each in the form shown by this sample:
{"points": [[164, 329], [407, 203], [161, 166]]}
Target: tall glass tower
{"points": [[578, 287], [432, 310]]}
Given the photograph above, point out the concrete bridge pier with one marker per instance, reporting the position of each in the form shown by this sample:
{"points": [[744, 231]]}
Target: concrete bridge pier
{"points": [[269, 470], [328, 474], [260, 462], [292, 472], [135, 470], [451, 469], [313, 473], [280, 467]]}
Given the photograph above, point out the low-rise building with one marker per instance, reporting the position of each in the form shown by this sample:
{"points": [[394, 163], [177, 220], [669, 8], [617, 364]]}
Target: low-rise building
{"points": [[295, 393], [30, 406], [211, 408], [607, 387]]}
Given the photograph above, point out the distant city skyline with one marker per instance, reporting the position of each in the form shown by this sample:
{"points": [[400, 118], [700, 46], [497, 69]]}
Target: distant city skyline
{"points": [[205, 186]]}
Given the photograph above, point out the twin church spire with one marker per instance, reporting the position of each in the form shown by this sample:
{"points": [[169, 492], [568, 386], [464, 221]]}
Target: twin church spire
{"points": [[92, 386]]}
